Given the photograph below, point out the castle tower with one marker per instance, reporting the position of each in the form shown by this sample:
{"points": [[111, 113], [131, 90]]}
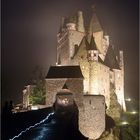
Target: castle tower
{"points": [[69, 38], [93, 59], [80, 22], [92, 51]]}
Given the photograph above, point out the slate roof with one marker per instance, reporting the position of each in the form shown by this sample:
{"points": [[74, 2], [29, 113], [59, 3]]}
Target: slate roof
{"points": [[64, 72], [92, 45], [100, 60], [83, 42], [110, 59], [95, 25]]}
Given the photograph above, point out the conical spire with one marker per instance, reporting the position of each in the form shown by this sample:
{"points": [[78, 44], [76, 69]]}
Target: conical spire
{"points": [[92, 45], [94, 23], [110, 59]]}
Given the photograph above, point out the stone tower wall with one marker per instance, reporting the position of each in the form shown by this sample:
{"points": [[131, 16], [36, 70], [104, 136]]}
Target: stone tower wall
{"points": [[104, 82], [92, 117], [93, 78], [84, 65], [63, 53], [119, 87], [99, 81], [66, 45]]}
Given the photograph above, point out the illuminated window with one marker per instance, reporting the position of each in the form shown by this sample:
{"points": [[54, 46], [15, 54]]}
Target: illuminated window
{"points": [[95, 54]]}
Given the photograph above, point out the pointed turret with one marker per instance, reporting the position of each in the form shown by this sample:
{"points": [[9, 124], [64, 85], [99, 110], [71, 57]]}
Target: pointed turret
{"points": [[80, 22], [93, 44], [94, 23], [92, 50], [110, 59]]}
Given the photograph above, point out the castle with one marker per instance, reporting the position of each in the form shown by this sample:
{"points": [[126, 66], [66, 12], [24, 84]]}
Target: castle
{"points": [[87, 65], [100, 62]]}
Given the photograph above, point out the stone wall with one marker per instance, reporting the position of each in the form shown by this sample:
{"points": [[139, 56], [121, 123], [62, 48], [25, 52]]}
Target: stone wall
{"points": [[91, 107], [63, 52], [119, 87], [75, 85], [104, 82], [92, 116], [52, 87]]}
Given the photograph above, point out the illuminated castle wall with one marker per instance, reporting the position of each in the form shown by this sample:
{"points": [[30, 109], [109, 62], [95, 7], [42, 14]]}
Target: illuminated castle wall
{"points": [[91, 108], [100, 62]]}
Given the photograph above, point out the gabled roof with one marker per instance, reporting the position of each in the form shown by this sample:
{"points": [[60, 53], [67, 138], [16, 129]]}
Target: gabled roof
{"points": [[110, 59], [64, 72], [65, 86]]}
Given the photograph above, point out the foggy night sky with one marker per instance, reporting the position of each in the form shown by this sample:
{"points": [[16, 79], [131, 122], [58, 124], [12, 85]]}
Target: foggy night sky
{"points": [[29, 29]]}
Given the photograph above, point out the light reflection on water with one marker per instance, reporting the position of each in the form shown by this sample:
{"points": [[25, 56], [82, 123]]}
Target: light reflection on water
{"points": [[42, 127]]}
